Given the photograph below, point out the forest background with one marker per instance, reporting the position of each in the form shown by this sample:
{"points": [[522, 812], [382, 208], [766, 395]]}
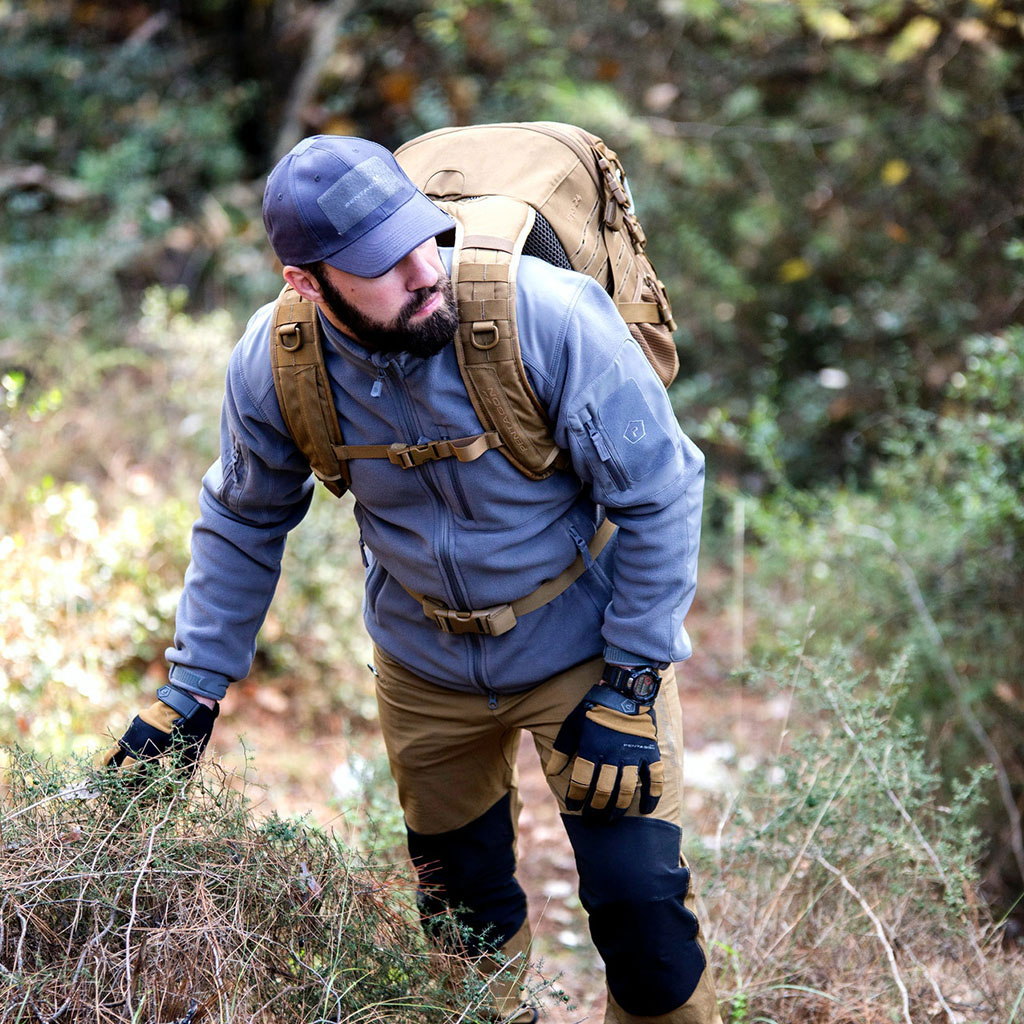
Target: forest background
{"points": [[832, 195]]}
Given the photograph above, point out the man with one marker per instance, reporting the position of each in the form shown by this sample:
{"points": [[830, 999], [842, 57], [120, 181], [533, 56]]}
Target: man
{"points": [[587, 672]]}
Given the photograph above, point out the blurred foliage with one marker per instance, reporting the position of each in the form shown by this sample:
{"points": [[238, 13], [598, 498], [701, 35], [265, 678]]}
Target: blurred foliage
{"points": [[927, 558]]}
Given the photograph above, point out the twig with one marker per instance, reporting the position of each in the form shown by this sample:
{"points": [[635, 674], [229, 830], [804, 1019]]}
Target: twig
{"points": [[739, 529], [745, 132], [135, 899], [794, 866], [956, 684], [935, 986], [879, 930], [321, 46], [895, 800]]}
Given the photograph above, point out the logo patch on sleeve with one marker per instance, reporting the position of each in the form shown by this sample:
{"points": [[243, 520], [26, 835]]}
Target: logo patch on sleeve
{"points": [[635, 431]]}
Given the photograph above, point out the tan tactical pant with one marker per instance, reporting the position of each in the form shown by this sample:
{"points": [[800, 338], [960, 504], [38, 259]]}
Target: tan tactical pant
{"points": [[453, 756]]}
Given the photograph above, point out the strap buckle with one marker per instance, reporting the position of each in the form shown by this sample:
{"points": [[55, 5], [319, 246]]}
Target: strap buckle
{"points": [[636, 233], [486, 621], [657, 286], [409, 456]]}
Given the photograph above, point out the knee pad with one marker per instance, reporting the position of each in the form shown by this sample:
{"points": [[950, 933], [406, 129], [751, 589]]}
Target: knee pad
{"points": [[471, 871], [633, 887]]}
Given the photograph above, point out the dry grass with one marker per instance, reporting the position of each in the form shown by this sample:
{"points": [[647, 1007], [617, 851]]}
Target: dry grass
{"points": [[845, 888], [158, 902]]}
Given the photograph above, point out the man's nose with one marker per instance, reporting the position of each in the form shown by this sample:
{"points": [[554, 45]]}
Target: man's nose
{"points": [[420, 270]]}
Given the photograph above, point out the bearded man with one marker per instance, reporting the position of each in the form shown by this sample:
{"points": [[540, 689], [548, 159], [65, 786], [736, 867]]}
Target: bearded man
{"points": [[588, 673]]}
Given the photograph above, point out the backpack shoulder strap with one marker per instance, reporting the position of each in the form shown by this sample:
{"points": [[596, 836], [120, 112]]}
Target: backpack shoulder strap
{"points": [[490, 234], [303, 388], [311, 417]]}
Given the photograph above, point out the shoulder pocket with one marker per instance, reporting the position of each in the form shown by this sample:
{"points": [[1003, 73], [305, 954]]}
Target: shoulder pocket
{"points": [[637, 442]]}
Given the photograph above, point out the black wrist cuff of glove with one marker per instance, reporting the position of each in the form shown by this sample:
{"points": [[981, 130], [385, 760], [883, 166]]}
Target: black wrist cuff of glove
{"points": [[606, 697]]}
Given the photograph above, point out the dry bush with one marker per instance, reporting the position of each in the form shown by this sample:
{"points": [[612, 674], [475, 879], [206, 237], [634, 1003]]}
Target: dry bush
{"points": [[846, 884], [147, 900]]}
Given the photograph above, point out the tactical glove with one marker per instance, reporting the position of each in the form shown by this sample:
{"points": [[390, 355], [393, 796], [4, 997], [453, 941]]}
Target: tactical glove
{"points": [[175, 718], [615, 743]]}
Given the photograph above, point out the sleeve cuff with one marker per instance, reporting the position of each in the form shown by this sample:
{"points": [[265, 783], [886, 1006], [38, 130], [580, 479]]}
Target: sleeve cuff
{"points": [[617, 656], [209, 684]]}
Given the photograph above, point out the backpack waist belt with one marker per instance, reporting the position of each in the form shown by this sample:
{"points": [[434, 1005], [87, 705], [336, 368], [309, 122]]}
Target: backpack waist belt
{"points": [[502, 617]]}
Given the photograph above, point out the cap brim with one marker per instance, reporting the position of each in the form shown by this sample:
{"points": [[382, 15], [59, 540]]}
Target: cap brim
{"points": [[393, 239]]}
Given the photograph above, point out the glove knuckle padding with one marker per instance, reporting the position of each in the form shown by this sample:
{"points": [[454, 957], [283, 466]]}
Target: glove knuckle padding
{"points": [[471, 870], [639, 921], [627, 787], [143, 739], [604, 787]]}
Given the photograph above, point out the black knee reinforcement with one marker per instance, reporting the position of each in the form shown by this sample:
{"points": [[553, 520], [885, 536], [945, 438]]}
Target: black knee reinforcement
{"points": [[471, 871], [633, 885]]}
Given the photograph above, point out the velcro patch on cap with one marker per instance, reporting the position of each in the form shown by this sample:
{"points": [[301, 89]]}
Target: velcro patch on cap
{"points": [[359, 192]]}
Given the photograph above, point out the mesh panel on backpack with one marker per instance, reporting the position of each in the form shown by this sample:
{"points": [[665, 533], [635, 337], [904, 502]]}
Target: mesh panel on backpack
{"points": [[543, 243]]}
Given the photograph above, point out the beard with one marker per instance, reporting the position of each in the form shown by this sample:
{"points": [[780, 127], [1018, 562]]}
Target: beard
{"points": [[423, 339]]}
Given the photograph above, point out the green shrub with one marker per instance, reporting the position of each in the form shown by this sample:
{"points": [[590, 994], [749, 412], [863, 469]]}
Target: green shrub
{"points": [[925, 559]]}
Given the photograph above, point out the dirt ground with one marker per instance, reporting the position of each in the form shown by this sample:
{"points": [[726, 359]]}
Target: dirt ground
{"points": [[722, 723]]}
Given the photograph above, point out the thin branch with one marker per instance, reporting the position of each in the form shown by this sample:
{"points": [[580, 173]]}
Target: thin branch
{"points": [[135, 900], [889, 792], [322, 41], [890, 953], [953, 1018]]}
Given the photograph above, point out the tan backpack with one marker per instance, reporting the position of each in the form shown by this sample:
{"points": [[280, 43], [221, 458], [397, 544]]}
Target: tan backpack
{"points": [[542, 188]]}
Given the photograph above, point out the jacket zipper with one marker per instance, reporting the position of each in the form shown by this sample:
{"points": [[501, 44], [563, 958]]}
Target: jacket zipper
{"points": [[604, 452], [408, 417], [457, 488]]}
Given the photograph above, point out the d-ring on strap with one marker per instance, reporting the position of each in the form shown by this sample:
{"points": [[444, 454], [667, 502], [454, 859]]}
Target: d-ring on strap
{"points": [[502, 617]]}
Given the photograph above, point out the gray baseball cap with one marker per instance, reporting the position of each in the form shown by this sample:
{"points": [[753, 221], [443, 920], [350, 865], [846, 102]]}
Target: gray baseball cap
{"points": [[347, 202]]}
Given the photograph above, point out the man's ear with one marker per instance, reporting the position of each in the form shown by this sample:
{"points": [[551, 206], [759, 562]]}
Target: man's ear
{"points": [[304, 283]]}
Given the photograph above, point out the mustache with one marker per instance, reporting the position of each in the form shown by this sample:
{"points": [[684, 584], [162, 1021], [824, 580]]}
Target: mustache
{"points": [[419, 299]]}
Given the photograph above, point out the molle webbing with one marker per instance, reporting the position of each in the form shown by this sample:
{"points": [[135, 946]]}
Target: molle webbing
{"points": [[304, 389]]}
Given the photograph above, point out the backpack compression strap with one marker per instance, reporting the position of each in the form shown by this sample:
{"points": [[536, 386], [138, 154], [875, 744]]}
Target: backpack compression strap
{"points": [[307, 406]]}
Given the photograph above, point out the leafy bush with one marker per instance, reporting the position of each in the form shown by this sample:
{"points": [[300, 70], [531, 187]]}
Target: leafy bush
{"points": [[153, 901]]}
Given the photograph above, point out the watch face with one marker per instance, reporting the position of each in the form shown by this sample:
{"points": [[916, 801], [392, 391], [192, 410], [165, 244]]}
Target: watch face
{"points": [[645, 685]]}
